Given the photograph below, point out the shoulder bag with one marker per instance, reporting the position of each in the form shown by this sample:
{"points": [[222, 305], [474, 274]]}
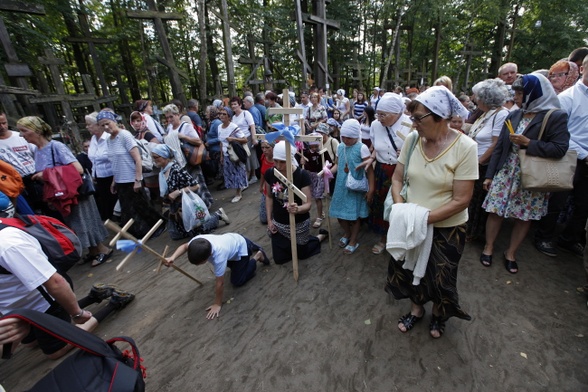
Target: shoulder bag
{"points": [[194, 154], [547, 174]]}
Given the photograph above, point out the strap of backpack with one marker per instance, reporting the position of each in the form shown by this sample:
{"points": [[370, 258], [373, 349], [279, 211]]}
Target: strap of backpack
{"points": [[63, 331], [544, 123]]}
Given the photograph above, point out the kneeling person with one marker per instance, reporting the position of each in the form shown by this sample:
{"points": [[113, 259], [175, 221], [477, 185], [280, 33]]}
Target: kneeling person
{"points": [[225, 250]]}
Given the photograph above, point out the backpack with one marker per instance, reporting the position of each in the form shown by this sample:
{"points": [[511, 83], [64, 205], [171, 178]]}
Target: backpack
{"points": [[10, 180], [98, 365], [145, 151], [62, 247]]}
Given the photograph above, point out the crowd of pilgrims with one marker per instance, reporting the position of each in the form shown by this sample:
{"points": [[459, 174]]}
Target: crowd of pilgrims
{"points": [[447, 162]]}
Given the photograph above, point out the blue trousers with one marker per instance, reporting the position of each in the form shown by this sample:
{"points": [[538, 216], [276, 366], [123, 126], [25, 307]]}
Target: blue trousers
{"points": [[244, 269]]}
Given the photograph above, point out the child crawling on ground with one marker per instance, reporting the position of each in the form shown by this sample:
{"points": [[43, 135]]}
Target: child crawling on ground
{"points": [[223, 250]]}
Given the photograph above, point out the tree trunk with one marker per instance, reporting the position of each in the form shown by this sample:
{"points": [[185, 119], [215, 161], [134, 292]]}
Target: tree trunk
{"points": [[125, 52], [396, 30], [218, 91], [201, 9], [496, 60]]}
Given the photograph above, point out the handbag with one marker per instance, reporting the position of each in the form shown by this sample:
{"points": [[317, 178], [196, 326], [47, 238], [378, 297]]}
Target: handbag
{"points": [[540, 174], [354, 184], [389, 201], [145, 152], [236, 152], [98, 365], [87, 188], [194, 154]]}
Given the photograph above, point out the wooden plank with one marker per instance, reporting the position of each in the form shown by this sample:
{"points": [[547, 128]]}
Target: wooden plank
{"points": [[25, 7], [92, 102], [17, 91], [163, 61], [285, 110], [151, 14], [18, 70]]}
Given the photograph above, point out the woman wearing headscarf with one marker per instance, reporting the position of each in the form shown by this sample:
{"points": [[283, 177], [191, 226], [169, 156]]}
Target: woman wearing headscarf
{"points": [[278, 209], [139, 125], [386, 146], [563, 75], [145, 106], [127, 182], [234, 173], [84, 218], [349, 206], [173, 180], [267, 162], [506, 198], [442, 169], [343, 104], [489, 95]]}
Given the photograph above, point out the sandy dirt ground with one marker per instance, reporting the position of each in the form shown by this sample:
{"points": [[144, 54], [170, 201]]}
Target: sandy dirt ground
{"points": [[336, 329]]}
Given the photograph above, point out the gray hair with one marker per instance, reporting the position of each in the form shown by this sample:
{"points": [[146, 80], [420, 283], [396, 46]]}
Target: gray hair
{"points": [[249, 99], [91, 118], [192, 103], [171, 108], [492, 92]]}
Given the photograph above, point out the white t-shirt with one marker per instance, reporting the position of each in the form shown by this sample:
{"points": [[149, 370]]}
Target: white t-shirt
{"points": [[98, 154], [385, 152], [154, 127], [21, 254], [244, 121], [487, 126], [231, 130], [19, 153], [225, 247], [185, 128]]}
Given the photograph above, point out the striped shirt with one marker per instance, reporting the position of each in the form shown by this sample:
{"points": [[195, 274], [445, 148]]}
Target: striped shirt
{"points": [[123, 165]]}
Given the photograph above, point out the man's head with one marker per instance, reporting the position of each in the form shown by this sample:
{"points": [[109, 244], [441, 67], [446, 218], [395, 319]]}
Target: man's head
{"points": [[248, 102], [260, 99], [577, 55], [508, 72], [193, 105], [4, 132], [584, 71], [304, 98], [199, 251]]}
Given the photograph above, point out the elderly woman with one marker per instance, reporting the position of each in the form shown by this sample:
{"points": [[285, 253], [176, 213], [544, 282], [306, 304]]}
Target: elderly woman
{"points": [[442, 168], [506, 198], [173, 180], [267, 162], [563, 75], [185, 133], [145, 106], [84, 218], [101, 167], [350, 206], [244, 121], [235, 173], [343, 104], [385, 148], [489, 95], [317, 113], [139, 124], [278, 221], [127, 182]]}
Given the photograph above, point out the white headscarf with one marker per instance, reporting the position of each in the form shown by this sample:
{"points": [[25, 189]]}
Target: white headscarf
{"points": [[350, 128], [442, 102], [391, 103], [341, 92], [280, 152]]}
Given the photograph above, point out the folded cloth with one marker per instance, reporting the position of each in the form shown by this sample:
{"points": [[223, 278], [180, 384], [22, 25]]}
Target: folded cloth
{"points": [[410, 238]]}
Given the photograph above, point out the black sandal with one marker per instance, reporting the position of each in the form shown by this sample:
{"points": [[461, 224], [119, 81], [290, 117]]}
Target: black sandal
{"points": [[409, 320], [437, 324], [486, 260], [511, 265], [101, 258]]}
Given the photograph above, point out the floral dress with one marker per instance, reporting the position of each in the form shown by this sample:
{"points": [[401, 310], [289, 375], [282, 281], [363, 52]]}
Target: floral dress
{"points": [[506, 196]]}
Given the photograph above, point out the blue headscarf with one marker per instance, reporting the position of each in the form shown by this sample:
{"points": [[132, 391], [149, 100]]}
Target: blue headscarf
{"points": [[538, 93]]}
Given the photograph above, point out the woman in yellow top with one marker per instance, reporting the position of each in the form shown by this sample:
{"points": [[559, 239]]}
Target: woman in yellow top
{"points": [[442, 170]]}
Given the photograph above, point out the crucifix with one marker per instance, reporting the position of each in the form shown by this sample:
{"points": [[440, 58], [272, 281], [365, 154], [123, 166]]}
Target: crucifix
{"points": [[468, 52], [158, 17], [286, 111]]}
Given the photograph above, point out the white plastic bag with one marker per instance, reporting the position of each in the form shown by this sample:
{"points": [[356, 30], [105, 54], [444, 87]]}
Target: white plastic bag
{"points": [[194, 211]]}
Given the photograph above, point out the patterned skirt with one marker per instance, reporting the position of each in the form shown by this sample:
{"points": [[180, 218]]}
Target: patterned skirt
{"points": [[318, 186], [383, 173], [439, 285], [85, 221], [235, 174]]}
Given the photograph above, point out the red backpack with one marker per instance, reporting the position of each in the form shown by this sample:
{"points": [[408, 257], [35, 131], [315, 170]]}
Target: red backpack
{"points": [[62, 247]]}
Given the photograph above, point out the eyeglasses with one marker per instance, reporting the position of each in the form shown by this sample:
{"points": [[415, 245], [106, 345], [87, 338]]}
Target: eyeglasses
{"points": [[380, 115], [558, 75], [419, 119]]}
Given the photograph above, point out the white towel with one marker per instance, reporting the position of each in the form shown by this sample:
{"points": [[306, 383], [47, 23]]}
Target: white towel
{"points": [[410, 238]]}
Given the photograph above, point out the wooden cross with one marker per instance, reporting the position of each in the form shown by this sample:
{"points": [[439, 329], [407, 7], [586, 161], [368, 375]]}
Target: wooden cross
{"points": [[158, 17], [468, 52], [122, 232]]}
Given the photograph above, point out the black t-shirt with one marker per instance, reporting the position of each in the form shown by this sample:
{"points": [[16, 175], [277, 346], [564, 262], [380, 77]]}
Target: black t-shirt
{"points": [[301, 179]]}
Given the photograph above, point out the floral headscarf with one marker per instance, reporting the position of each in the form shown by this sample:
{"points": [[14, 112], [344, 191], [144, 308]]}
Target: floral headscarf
{"points": [[570, 69]]}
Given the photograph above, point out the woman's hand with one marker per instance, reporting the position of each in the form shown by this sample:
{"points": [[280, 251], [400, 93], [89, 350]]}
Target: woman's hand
{"points": [[137, 186], [519, 139], [271, 228], [85, 316], [369, 196], [486, 184], [113, 188], [293, 208]]}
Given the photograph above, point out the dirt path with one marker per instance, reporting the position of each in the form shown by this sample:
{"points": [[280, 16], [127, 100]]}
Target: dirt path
{"points": [[336, 329]]}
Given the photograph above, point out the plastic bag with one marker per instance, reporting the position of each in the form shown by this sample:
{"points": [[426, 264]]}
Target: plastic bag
{"points": [[194, 211]]}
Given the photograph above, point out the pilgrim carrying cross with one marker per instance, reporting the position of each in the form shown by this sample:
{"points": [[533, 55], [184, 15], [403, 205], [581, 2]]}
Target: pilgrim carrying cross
{"points": [[287, 180]]}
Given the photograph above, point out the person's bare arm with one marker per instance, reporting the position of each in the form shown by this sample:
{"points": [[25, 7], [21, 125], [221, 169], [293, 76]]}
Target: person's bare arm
{"points": [[60, 289], [179, 251]]}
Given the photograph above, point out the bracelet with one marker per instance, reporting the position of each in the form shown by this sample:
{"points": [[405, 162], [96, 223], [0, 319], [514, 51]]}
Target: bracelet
{"points": [[75, 316]]}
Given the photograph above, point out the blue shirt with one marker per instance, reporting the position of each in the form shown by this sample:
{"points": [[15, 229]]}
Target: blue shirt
{"points": [[212, 139], [575, 103], [194, 117], [257, 119], [263, 111]]}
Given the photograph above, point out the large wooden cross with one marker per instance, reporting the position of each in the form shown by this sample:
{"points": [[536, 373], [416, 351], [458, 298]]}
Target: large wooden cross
{"points": [[287, 180], [158, 17]]}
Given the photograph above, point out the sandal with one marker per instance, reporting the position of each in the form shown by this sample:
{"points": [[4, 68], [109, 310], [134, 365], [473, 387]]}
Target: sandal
{"points": [[89, 257], [511, 265], [101, 258], [350, 249], [486, 260], [437, 324], [378, 248], [409, 320], [265, 260], [236, 199], [343, 241], [317, 223]]}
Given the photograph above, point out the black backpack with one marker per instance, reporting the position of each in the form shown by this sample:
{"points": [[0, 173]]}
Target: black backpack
{"points": [[97, 366]]}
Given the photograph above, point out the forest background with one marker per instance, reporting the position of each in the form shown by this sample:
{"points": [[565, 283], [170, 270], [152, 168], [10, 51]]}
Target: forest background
{"points": [[465, 39]]}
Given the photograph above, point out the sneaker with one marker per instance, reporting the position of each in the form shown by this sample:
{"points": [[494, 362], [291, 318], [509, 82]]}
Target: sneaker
{"points": [[573, 247], [120, 299], [223, 216], [253, 180], [236, 199], [101, 291], [546, 247]]}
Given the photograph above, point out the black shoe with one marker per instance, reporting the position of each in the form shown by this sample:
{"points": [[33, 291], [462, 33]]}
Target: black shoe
{"points": [[120, 299], [546, 247], [221, 186], [573, 247], [101, 291]]}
